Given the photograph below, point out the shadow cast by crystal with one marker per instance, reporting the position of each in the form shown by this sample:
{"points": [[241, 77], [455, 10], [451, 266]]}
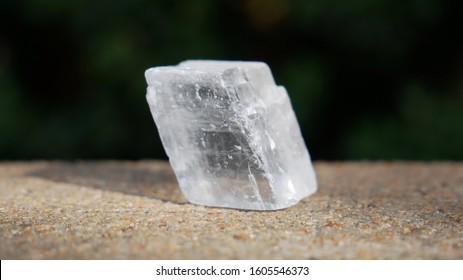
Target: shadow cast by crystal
{"points": [[142, 179]]}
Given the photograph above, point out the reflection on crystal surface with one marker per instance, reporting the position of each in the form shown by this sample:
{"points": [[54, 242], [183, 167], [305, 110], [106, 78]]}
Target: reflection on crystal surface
{"points": [[231, 134]]}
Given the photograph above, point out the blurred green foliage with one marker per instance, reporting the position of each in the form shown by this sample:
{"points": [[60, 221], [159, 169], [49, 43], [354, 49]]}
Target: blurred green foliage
{"points": [[369, 79]]}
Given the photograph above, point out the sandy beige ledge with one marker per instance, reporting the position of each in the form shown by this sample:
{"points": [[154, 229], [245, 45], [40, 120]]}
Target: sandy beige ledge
{"points": [[134, 210]]}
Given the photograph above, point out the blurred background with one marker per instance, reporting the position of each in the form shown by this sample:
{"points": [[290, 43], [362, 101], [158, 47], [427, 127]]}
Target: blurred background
{"points": [[369, 79]]}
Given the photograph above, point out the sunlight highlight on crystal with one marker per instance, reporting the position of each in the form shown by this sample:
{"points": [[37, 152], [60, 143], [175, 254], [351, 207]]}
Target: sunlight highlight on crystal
{"points": [[231, 134]]}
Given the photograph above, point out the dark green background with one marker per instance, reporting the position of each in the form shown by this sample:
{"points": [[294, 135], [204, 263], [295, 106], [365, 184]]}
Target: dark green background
{"points": [[368, 79]]}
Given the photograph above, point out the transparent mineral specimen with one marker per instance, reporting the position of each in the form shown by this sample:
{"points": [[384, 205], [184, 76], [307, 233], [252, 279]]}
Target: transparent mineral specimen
{"points": [[231, 134]]}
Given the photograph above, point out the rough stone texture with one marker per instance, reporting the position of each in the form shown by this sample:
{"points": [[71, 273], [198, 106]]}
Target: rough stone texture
{"points": [[134, 210]]}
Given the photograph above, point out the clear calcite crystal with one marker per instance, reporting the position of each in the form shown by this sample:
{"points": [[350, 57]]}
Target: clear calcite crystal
{"points": [[231, 134]]}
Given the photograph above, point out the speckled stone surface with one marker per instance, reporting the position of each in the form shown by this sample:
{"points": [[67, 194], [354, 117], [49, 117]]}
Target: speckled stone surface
{"points": [[134, 210]]}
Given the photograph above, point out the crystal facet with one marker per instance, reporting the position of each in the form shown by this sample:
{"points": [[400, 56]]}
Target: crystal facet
{"points": [[231, 134]]}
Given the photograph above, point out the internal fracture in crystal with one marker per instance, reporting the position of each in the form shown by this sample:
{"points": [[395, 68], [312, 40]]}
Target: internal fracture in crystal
{"points": [[231, 134]]}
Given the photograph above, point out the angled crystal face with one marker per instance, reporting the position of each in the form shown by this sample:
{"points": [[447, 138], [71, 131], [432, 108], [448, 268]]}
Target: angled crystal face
{"points": [[231, 134]]}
